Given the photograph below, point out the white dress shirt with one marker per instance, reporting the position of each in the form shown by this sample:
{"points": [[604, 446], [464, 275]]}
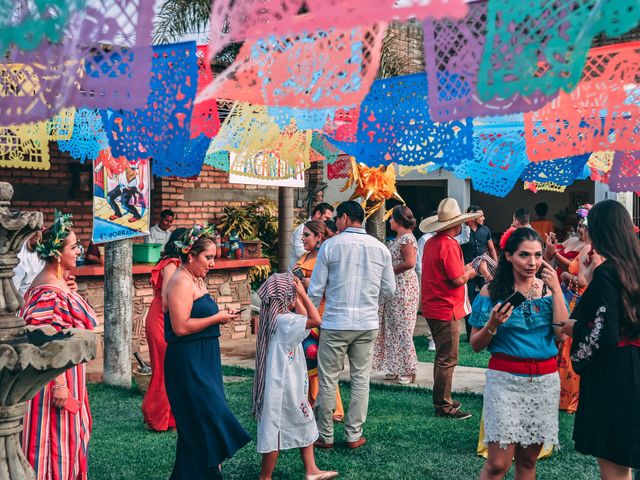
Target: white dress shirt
{"points": [[462, 238], [352, 270], [157, 235], [30, 265]]}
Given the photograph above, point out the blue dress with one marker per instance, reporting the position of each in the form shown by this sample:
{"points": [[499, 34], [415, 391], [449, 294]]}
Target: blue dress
{"points": [[208, 432]]}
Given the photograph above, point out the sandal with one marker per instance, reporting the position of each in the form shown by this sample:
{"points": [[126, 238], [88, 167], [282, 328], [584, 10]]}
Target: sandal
{"points": [[407, 379]]}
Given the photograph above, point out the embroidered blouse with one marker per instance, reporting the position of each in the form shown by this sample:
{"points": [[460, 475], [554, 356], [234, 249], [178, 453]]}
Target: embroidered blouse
{"points": [[597, 315], [527, 333]]}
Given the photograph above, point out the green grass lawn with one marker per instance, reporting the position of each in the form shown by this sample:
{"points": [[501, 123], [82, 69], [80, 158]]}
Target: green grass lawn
{"points": [[466, 356], [405, 441]]}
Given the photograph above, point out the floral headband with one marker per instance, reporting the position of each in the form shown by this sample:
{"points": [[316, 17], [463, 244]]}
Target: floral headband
{"points": [[583, 210], [60, 229], [192, 235]]}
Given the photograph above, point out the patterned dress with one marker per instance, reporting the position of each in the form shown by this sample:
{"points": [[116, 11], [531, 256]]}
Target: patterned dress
{"points": [[55, 441], [569, 379], [394, 352]]}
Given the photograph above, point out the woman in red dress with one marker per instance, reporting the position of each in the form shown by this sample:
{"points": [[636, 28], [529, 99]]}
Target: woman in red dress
{"points": [[155, 405], [57, 424]]}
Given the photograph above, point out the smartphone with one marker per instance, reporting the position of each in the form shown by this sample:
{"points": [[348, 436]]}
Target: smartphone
{"points": [[72, 405], [298, 273], [515, 299]]}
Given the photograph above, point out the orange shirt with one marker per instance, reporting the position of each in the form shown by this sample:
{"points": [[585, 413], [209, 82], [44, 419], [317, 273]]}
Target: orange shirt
{"points": [[543, 227]]}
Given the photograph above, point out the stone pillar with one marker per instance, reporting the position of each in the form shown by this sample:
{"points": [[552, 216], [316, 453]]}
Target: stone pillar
{"points": [[118, 298], [285, 224]]}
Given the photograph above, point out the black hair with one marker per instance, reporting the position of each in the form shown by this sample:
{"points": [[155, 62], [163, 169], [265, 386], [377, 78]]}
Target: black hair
{"points": [[522, 216], [541, 209], [474, 209], [321, 208], [166, 213], [352, 209], [502, 284], [198, 247], [331, 225], [170, 249], [612, 235], [404, 217]]}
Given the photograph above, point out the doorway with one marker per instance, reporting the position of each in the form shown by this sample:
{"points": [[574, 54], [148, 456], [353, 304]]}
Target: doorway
{"points": [[422, 197]]}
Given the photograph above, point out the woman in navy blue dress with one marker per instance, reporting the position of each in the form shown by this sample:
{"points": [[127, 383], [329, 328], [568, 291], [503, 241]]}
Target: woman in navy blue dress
{"points": [[208, 432]]}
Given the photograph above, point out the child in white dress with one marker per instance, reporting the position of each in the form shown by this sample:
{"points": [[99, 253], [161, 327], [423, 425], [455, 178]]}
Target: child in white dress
{"points": [[285, 419]]}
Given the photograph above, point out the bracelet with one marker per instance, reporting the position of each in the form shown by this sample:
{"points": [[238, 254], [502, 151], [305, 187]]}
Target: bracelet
{"points": [[492, 333], [58, 386]]}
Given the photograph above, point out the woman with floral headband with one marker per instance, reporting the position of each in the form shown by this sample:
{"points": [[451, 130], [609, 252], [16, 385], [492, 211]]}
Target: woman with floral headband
{"points": [[57, 424], [563, 253], [208, 432]]}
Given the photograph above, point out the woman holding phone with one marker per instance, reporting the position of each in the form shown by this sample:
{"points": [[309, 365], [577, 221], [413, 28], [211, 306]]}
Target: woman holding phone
{"points": [[208, 432], [57, 424], [314, 234], [518, 317]]}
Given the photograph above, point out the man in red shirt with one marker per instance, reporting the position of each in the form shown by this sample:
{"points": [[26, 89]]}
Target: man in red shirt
{"points": [[444, 298]]}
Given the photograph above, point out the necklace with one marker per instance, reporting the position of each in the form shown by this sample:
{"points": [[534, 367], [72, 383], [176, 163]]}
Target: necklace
{"points": [[531, 293], [199, 282]]}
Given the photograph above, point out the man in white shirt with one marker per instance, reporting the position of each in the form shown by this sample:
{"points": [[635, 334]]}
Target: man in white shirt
{"points": [[160, 233], [323, 211], [352, 270], [30, 264]]}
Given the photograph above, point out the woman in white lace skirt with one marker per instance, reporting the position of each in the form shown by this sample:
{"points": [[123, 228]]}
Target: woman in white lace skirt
{"points": [[522, 391]]}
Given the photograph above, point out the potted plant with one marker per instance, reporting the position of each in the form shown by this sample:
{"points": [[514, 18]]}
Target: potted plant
{"points": [[236, 220]]}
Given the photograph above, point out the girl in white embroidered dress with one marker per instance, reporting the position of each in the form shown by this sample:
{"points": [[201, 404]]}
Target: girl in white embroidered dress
{"points": [[285, 418]]}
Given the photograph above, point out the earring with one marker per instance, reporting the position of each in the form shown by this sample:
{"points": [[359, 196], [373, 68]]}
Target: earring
{"points": [[59, 269]]}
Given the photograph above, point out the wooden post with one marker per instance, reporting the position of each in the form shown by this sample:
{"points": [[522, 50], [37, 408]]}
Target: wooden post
{"points": [[118, 296], [285, 224]]}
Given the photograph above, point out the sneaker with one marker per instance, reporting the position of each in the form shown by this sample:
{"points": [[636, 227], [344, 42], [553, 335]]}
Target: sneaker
{"points": [[455, 405], [457, 415], [432, 346]]}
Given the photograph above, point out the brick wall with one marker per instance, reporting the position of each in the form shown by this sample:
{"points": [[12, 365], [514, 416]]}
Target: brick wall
{"points": [[200, 199], [66, 186]]}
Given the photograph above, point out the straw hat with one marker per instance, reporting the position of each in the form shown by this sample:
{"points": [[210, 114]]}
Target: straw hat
{"points": [[449, 215]]}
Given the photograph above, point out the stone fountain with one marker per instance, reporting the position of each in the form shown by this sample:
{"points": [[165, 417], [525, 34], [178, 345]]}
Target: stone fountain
{"points": [[29, 358]]}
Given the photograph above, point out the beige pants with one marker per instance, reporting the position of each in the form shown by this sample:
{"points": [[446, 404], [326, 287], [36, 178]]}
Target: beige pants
{"points": [[357, 345]]}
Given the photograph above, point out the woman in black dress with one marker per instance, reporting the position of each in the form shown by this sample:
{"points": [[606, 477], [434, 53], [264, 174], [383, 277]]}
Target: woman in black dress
{"points": [[606, 345], [208, 433]]}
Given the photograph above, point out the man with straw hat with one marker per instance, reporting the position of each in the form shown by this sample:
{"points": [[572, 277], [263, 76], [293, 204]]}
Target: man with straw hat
{"points": [[444, 298]]}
